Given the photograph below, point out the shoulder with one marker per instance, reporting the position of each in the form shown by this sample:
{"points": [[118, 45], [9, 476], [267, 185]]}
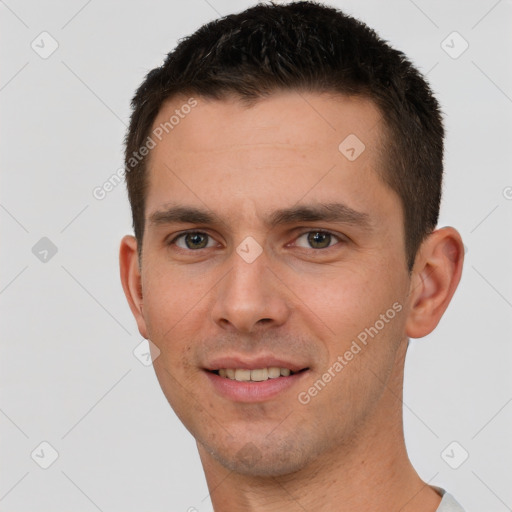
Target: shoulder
{"points": [[448, 503]]}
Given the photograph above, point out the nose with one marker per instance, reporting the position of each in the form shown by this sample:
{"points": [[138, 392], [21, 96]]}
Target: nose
{"points": [[250, 297]]}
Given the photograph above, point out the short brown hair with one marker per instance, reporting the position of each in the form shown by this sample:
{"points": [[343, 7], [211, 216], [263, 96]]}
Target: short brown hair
{"points": [[304, 46]]}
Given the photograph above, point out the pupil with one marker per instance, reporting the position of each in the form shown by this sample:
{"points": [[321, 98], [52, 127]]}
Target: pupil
{"points": [[195, 241], [319, 240]]}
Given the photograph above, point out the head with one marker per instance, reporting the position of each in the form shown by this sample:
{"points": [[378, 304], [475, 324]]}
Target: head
{"points": [[303, 156]]}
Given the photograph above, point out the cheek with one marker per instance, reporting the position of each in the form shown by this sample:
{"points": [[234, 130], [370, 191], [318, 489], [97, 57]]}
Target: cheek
{"points": [[366, 323], [346, 300], [171, 306], [362, 317]]}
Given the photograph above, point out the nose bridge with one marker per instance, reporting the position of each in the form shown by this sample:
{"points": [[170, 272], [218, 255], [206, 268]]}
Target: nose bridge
{"points": [[250, 294], [247, 277]]}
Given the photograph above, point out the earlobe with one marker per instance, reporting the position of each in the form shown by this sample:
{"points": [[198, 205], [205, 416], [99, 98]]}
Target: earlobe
{"points": [[435, 278], [132, 281]]}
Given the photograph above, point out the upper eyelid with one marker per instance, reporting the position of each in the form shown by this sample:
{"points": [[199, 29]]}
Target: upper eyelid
{"points": [[302, 232], [333, 233], [340, 237], [173, 238]]}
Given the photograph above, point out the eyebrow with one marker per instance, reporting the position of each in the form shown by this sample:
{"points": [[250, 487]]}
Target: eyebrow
{"points": [[330, 212], [318, 212]]}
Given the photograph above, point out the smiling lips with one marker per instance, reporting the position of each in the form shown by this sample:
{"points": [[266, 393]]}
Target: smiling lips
{"points": [[257, 380]]}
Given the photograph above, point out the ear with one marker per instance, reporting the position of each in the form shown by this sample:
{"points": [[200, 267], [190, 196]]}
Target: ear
{"points": [[435, 277], [131, 280]]}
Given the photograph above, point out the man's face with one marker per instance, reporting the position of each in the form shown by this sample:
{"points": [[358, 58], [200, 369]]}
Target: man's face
{"points": [[261, 282]]}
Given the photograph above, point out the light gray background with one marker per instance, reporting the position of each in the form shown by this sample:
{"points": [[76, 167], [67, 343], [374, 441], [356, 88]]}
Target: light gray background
{"points": [[68, 373]]}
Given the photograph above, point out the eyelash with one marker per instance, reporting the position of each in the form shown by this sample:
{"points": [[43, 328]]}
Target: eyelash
{"points": [[338, 237]]}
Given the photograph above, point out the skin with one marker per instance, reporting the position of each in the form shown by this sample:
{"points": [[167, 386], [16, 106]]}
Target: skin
{"points": [[344, 450]]}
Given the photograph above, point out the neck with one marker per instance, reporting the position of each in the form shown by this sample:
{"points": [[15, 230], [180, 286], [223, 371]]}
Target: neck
{"points": [[372, 471]]}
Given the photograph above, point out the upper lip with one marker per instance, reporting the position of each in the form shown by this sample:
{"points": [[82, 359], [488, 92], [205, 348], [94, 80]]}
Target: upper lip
{"points": [[253, 363]]}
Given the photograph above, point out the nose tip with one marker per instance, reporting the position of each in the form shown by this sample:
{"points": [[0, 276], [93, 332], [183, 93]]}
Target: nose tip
{"points": [[245, 323]]}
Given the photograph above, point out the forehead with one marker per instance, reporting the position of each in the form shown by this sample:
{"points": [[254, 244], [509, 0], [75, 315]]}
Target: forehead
{"points": [[292, 118], [280, 149]]}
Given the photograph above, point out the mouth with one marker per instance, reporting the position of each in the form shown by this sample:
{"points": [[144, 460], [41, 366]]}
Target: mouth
{"points": [[259, 380], [257, 374]]}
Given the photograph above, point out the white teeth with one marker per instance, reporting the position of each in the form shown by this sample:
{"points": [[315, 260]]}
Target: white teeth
{"points": [[274, 372], [257, 375], [242, 375]]}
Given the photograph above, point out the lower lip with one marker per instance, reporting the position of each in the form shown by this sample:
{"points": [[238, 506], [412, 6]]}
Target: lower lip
{"points": [[238, 391]]}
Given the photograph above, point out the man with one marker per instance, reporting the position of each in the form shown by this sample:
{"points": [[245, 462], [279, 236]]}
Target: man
{"points": [[284, 170]]}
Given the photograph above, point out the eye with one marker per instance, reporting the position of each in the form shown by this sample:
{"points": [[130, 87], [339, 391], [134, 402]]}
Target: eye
{"points": [[193, 240], [318, 239]]}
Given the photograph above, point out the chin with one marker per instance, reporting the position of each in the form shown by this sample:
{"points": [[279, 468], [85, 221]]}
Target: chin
{"points": [[267, 460]]}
